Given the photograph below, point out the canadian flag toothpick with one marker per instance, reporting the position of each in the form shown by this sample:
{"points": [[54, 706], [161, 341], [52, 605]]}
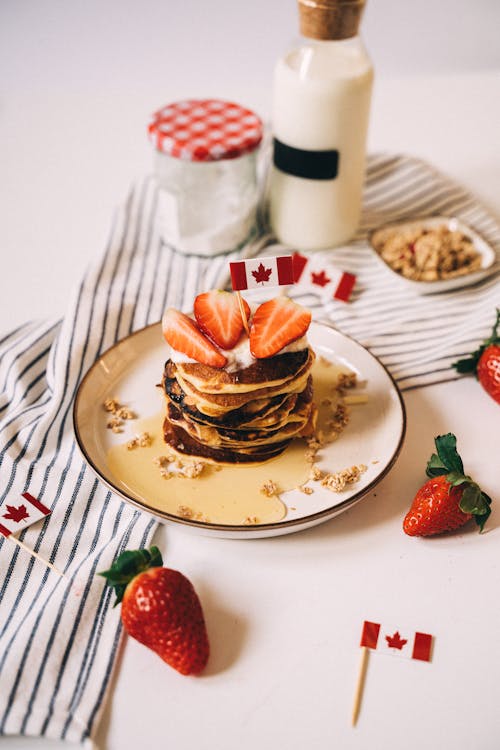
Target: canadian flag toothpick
{"points": [[14, 517], [388, 640], [396, 642], [322, 278], [256, 273]]}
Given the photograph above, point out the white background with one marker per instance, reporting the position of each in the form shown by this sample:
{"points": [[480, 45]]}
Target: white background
{"points": [[78, 80]]}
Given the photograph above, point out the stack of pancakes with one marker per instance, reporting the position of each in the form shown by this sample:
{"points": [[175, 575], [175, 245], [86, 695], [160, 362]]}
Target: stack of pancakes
{"points": [[245, 416]]}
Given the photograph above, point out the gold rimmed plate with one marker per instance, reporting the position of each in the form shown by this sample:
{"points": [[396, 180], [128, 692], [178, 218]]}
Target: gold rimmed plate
{"points": [[130, 372]]}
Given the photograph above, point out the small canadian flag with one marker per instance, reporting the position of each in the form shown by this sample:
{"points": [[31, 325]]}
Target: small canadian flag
{"points": [[396, 641], [391, 640], [256, 273], [311, 273], [322, 278], [16, 517]]}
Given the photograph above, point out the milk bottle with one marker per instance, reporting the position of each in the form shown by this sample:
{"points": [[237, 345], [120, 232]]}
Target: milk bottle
{"points": [[321, 103]]}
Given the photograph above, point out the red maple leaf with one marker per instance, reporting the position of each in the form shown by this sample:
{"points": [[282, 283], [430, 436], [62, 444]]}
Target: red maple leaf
{"points": [[16, 514], [262, 274], [395, 641], [321, 279]]}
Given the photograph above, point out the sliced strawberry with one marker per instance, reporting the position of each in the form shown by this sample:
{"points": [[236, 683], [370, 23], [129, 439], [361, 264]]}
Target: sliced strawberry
{"points": [[275, 325], [183, 336], [218, 315]]}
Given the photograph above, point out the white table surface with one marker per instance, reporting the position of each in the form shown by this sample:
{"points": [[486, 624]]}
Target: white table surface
{"points": [[284, 615]]}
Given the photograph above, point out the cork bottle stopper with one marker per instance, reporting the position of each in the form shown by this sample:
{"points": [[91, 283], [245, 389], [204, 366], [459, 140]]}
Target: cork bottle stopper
{"points": [[330, 19]]}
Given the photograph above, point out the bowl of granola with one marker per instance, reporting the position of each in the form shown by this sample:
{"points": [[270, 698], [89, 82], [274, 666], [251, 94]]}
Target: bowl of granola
{"points": [[434, 254]]}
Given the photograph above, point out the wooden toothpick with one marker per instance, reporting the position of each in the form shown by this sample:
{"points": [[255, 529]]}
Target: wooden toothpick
{"points": [[35, 554], [243, 313], [358, 695]]}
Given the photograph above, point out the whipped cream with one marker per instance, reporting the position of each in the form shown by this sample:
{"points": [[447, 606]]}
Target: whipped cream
{"points": [[240, 356]]}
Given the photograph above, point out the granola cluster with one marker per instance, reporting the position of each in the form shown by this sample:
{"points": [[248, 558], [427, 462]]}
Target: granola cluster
{"points": [[143, 440], [118, 413], [346, 381], [184, 511], [336, 482], [171, 465], [270, 489], [427, 254]]}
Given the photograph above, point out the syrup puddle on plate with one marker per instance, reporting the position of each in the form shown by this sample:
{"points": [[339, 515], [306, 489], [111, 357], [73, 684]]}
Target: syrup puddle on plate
{"points": [[228, 495]]}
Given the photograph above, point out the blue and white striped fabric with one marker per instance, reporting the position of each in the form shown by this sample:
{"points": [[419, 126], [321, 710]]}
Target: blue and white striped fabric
{"points": [[59, 637]]}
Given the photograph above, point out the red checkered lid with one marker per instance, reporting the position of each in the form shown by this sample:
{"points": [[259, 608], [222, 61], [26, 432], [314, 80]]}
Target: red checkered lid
{"points": [[205, 130]]}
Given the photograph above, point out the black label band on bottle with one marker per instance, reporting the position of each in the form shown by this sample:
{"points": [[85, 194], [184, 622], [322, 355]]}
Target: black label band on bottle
{"points": [[314, 165]]}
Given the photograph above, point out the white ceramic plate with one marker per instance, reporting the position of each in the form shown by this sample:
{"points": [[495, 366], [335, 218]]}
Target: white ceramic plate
{"points": [[441, 285], [373, 437]]}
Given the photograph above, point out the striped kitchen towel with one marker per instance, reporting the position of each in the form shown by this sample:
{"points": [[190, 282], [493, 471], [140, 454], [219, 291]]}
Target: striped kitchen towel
{"points": [[59, 637]]}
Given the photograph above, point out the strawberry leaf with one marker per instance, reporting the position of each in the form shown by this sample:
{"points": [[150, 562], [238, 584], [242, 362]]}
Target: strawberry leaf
{"points": [[435, 467], [468, 365], [486, 498], [127, 566], [471, 502], [481, 518], [119, 591], [477, 503], [446, 446], [455, 478]]}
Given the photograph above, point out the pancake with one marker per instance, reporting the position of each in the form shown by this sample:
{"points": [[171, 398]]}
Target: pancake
{"points": [[249, 412], [214, 404], [184, 444], [246, 416], [236, 439], [272, 372], [273, 416]]}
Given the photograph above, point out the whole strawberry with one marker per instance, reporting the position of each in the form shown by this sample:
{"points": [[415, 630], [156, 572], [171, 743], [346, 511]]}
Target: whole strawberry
{"points": [[160, 609], [485, 363], [449, 498]]}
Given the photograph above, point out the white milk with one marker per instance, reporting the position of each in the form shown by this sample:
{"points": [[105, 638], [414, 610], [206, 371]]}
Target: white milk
{"points": [[322, 94]]}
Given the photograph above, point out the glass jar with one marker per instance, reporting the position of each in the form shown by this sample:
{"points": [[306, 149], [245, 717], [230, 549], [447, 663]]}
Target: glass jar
{"points": [[205, 161]]}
